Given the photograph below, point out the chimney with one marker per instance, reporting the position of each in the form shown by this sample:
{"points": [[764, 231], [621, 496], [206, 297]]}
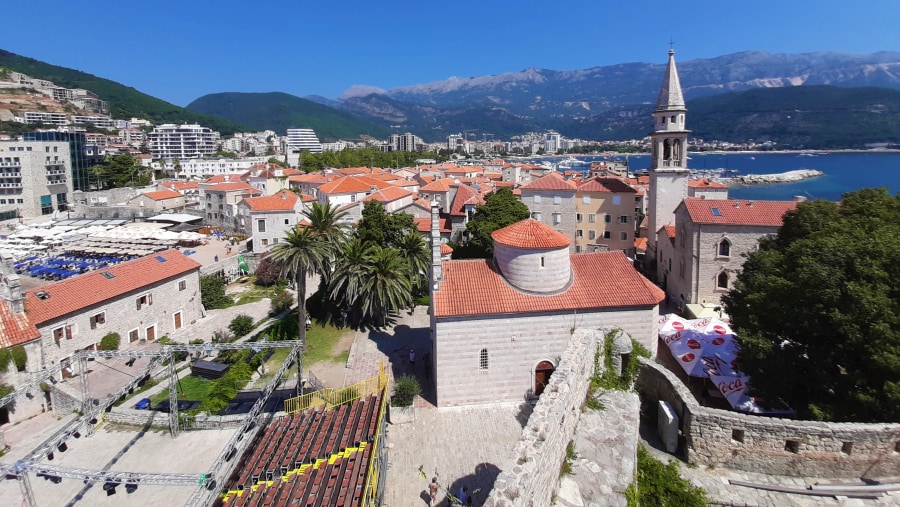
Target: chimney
{"points": [[437, 269], [11, 288], [283, 195], [750, 203]]}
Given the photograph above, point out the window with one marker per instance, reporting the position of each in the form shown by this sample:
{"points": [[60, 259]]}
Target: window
{"points": [[536, 215], [623, 219], [577, 248], [557, 218], [607, 218], [722, 280], [265, 242], [542, 261], [537, 199], [144, 300], [586, 199], [287, 221], [592, 218], [483, 360], [557, 199], [607, 234], [592, 234], [133, 335], [623, 236], [98, 320], [579, 217], [261, 226], [58, 334], [724, 248], [579, 233], [617, 200], [182, 285]]}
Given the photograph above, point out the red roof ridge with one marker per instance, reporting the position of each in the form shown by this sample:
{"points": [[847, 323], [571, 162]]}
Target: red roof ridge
{"points": [[531, 234]]}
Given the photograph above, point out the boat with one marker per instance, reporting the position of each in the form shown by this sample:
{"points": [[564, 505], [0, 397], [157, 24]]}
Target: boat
{"points": [[571, 162]]}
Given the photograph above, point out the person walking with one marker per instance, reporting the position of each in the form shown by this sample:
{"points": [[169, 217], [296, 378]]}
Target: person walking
{"points": [[432, 490], [463, 495]]}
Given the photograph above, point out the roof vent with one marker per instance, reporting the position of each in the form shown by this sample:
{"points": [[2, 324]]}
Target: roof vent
{"points": [[108, 275], [160, 258], [283, 196], [43, 296], [750, 203]]}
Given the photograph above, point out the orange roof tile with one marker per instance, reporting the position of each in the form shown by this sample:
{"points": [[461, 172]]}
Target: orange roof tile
{"points": [[705, 183], [15, 328], [83, 291], [611, 185], [181, 185], [640, 244], [438, 185], [388, 194], [601, 280], [446, 249], [309, 177], [423, 225], [737, 212], [282, 201], [352, 184], [162, 195], [552, 181], [464, 195], [530, 234], [228, 187]]}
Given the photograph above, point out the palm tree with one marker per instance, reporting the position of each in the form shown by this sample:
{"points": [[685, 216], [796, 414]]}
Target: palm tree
{"points": [[414, 249], [300, 254], [387, 286], [350, 272], [327, 223]]}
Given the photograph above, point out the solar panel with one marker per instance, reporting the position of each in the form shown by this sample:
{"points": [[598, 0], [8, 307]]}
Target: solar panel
{"points": [[715, 212], [160, 258]]}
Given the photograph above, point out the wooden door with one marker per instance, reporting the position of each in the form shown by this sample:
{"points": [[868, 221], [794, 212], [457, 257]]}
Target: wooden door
{"points": [[542, 374], [151, 333], [178, 320]]}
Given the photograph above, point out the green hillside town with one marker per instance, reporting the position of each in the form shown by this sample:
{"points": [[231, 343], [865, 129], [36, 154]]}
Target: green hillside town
{"points": [[532, 288]]}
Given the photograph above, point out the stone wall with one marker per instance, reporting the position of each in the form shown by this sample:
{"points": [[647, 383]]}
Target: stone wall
{"points": [[157, 419], [768, 445], [63, 402], [532, 476]]}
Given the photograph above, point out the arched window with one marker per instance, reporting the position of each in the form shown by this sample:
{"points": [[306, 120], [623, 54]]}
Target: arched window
{"points": [[483, 360], [722, 280], [724, 248]]}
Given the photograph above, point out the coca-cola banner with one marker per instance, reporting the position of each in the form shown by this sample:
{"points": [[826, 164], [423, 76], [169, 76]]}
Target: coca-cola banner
{"points": [[707, 348]]}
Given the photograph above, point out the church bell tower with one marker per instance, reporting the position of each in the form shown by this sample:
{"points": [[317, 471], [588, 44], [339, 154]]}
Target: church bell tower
{"points": [[668, 164]]}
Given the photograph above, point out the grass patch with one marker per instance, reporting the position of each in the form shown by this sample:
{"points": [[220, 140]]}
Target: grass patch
{"points": [[191, 388], [271, 366], [320, 343]]}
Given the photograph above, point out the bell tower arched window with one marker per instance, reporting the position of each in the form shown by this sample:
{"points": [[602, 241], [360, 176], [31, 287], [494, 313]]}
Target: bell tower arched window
{"points": [[722, 280]]}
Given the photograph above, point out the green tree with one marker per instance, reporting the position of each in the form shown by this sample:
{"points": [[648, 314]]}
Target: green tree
{"points": [[299, 255], [378, 227], [121, 171], [415, 250], [500, 208], [110, 341], [212, 293], [817, 310], [327, 225], [241, 325], [350, 272], [661, 485], [387, 287]]}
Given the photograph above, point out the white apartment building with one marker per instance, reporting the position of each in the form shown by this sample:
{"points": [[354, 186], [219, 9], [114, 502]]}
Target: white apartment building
{"points": [[405, 142], [552, 142], [30, 117], [35, 178], [182, 142], [198, 168]]}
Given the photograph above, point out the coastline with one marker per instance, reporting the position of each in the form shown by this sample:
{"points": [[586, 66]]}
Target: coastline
{"points": [[766, 179]]}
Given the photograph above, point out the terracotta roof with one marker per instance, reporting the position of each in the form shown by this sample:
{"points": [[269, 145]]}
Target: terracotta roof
{"points": [[705, 183], [504, 184], [325, 455], [92, 288], [352, 184], [438, 185], [388, 194], [423, 225], [601, 280], [310, 177], [181, 185], [282, 201], [737, 212], [446, 249], [464, 195], [531, 234], [162, 195], [670, 232], [15, 328], [611, 185], [552, 181], [223, 178], [640, 244]]}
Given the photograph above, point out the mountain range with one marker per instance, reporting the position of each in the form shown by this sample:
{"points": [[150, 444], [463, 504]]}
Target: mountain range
{"points": [[800, 100]]}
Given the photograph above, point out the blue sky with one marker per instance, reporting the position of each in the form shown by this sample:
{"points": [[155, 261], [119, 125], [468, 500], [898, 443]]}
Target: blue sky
{"points": [[181, 50]]}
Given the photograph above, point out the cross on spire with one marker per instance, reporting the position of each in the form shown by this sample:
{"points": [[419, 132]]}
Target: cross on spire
{"points": [[671, 43]]}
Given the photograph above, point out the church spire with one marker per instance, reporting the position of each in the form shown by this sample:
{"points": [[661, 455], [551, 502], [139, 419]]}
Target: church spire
{"points": [[670, 96]]}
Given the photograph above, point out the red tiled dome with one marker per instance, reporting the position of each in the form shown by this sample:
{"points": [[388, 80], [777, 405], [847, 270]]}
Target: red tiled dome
{"points": [[530, 234]]}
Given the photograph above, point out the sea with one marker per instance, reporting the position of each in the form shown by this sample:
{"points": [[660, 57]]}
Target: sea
{"points": [[844, 171]]}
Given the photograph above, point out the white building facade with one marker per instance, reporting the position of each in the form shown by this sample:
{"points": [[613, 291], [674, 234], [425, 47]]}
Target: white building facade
{"points": [[182, 142]]}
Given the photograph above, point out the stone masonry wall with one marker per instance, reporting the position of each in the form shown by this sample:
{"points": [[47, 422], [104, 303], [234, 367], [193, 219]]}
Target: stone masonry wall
{"points": [[771, 445], [532, 476]]}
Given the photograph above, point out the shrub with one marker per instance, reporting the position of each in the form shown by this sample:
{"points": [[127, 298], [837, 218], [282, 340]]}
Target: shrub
{"points": [[281, 300], [19, 357], [659, 484], [607, 379], [110, 341], [5, 359], [241, 325], [268, 272], [406, 388], [221, 336], [212, 293]]}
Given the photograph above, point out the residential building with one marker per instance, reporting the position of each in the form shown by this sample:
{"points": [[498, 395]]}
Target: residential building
{"points": [[151, 203], [219, 202], [349, 189], [604, 216], [182, 142], [198, 168], [35, 178], [551, 201], [269, 218], [405, 142], [552, 142], [299, 140]]}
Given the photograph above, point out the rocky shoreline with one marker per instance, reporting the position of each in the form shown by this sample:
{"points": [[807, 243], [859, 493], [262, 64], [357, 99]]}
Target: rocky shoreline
{"points": [[763, 179]]}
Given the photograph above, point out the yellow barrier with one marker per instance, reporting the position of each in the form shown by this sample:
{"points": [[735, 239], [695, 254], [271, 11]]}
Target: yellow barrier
{"points": [[370, 487], [330, 398]]}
